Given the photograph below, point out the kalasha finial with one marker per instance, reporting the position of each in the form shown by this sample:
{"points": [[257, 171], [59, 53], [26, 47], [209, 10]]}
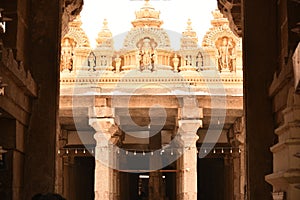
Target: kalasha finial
{"points": [[189, 24], [147, 2], [105, 23]]}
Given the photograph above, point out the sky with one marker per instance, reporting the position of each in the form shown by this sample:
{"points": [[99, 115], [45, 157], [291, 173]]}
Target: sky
{"points": [[120, 13]]}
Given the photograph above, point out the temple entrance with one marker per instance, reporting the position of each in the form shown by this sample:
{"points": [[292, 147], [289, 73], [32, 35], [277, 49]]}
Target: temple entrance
{"points": [[79, 178], [147, 186], [218, 175], [211, 179]]}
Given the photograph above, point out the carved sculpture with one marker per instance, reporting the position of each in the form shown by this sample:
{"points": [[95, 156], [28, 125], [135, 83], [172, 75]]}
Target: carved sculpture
{"points": [[175, 62], [199, 61], [67, 54], [147, 56], [118, 63], [92, 62], [225, 54]]}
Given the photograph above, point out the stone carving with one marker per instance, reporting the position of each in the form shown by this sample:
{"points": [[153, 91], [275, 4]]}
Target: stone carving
{"points": [[225, 54], [67, 54], [118, 63], [199, 61], [76, 32], [175, 62], [136, 34], [147, 16], [189, 38], [147, 58], [92, 62]]}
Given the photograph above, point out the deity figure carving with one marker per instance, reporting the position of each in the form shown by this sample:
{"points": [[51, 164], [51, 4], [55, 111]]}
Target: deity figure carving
{"points": [[225, 54], [175, 62], [146, 57], [199, 61], [118, 63], [66, 62], [92, 62]]}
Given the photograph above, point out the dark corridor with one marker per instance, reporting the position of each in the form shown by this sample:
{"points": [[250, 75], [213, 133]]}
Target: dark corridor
{"points": [[211, 179]]}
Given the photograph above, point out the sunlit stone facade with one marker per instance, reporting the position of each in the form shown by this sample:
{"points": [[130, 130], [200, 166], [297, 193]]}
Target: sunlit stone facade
{"points": [[148, 98]]}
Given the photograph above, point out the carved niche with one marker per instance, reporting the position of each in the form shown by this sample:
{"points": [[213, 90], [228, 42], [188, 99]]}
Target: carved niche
{"points": [[226, 54], [147, 55], [67, 54]]}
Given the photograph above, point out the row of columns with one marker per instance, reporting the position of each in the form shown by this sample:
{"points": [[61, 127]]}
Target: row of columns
{"points": [[106, 184]]}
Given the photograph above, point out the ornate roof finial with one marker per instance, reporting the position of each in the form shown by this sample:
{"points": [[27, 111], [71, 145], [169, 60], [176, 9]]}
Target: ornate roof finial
{"points": [[105, 35], [189, 25], [189, 37], [77, 33], [219, 19], [189, 30], [105, 24], [147, 16]]}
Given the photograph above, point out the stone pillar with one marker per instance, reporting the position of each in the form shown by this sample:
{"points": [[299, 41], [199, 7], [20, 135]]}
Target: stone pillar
{"points": [[105, 128], [257, 40], [155, 182], [187, 188]]}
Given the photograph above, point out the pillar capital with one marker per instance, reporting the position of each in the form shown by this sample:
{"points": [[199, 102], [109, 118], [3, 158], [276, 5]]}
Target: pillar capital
{"points": [[188, 131], [97, 112], [189, 126], [103, 125], [190, 109]]}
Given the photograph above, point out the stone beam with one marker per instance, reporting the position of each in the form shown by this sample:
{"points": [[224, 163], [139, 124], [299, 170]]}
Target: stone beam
{"points": [[69, 112], [142, 112], [143, 101]]}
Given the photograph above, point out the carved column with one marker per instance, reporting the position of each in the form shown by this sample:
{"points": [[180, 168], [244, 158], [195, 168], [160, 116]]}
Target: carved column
{"points": [[104, 157], [187, 188], [236, 136], [189, 121]]}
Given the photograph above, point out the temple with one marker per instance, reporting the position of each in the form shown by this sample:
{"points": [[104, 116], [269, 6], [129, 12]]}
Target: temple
{"points": [[216, 118], [158, 121]]}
